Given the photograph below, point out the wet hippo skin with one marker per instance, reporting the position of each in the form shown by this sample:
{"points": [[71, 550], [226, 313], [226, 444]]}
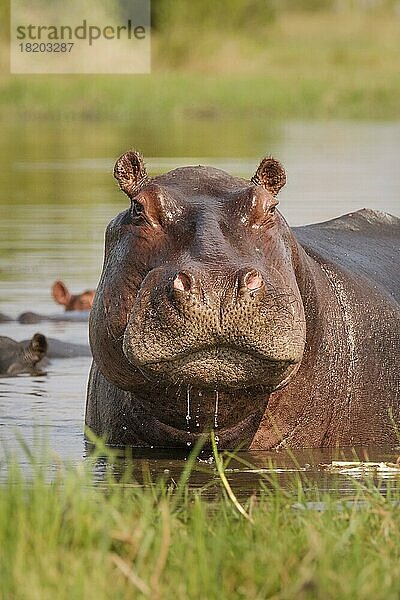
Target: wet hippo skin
{"points": [[212, 313]]}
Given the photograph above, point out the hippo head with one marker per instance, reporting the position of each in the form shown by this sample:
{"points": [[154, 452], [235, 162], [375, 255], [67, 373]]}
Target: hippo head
{"points": [[198, 289], [62, 295]]}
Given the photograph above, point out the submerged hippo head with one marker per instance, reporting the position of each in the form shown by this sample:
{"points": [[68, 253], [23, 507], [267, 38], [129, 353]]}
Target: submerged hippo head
{"points": [[199, 285], [62, 295], [22, 357]]}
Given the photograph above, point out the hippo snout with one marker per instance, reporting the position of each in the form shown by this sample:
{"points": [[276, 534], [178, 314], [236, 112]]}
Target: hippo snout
{"points": [[246, 281], [212, 329]]}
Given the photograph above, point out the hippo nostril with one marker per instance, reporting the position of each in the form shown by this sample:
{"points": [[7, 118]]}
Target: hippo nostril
{"points": [[182, 282], [253, 280], [250, 281]]}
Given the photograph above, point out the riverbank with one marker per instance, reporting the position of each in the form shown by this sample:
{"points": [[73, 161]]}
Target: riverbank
{"points": [[116, 539], [297, 65]]}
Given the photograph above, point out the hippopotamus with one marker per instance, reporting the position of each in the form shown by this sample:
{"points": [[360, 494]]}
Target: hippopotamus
{"points": [[30, 318], [80, 302], [76, 316], [30, 356], [77, 307], [211, 313], [5, 318], [22, 357]]}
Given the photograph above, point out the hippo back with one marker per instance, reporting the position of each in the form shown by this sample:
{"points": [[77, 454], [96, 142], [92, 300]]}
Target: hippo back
{"points": [[365, 243], [9, 349]]}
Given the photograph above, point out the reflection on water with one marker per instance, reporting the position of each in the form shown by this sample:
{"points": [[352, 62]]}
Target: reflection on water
{"points": [[56, 196], [248, 472], [50, 408]]}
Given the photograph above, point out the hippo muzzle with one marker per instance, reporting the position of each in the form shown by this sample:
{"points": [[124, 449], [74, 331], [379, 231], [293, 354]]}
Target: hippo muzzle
{"points": [[210, 329]]}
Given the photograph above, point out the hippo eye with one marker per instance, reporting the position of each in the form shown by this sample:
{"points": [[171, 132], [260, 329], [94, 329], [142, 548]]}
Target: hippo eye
{"points": [[137, 210], [272, 209]]}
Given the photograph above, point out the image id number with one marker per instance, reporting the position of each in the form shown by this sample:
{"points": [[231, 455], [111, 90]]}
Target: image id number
{"points": [[46, 47]]}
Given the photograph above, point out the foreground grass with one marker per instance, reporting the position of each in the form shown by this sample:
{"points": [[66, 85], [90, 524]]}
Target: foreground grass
{"points": [[73, 539], [296, 64]]}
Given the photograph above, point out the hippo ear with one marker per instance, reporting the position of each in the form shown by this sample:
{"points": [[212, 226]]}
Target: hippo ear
{"points": [[270, 175], [60, 293], [39, 343], [130, 172]]}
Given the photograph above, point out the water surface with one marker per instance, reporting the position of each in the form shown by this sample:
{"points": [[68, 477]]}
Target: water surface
{"points": [[57, 194]]}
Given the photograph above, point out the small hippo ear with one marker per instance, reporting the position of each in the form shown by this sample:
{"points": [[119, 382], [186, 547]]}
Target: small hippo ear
{"points": [[130, 172], [39, 342], [270, 175], [60, 293]]}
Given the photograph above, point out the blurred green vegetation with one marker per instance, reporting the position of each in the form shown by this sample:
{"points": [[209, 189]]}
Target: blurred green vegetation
{"points": [[235, 58]]}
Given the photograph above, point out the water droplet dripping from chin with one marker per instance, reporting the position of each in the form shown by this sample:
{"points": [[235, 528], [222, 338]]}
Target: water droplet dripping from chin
{"points": [[188, 416], [216, 407], [197, 414]]}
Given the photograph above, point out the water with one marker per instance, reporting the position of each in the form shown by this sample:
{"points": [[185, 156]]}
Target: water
{"points": [[57, 194]]}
